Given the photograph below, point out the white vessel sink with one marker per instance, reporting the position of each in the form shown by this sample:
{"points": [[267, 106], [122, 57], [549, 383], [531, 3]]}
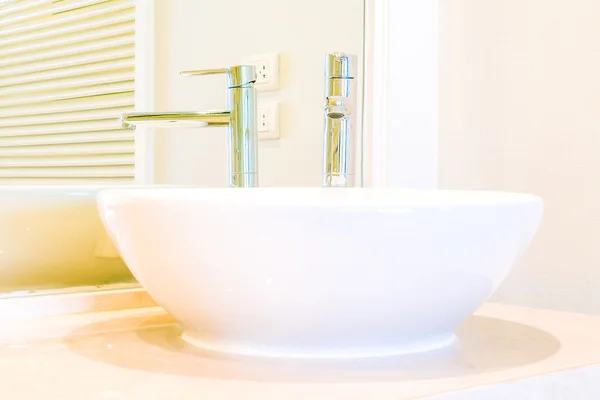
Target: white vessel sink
{"points": [[305, 272], [52, 237]]}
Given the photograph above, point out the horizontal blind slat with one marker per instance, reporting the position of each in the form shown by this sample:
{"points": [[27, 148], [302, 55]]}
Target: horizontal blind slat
{"points": [[68, 172], [126, 64], [67, 106], [85, 126], [68, 180], [19, 6], [76, 49], [110, 66], [67, 138], [69, 149], [67, 83], [70, 61], [62, 118], [75, 93], [61, 42], [67, 161]]}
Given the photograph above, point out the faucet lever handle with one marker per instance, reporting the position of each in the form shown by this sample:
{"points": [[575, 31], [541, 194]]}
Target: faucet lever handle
{"points": [[205, 72], [237, 76]]}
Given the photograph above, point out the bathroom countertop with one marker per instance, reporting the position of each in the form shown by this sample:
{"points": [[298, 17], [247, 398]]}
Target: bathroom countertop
{"points": [[504, 352]]}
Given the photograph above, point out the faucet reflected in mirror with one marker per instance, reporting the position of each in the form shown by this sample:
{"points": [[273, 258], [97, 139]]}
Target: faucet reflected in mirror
{"points": [[339, 137], [64, 136], [240, 118]]}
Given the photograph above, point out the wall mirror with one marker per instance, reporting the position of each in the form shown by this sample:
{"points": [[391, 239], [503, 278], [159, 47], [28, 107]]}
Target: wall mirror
{"points": [[69, 68]]}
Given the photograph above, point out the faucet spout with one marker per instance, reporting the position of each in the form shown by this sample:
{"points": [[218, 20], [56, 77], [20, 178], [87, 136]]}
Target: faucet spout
{"points": [[175, 119]]}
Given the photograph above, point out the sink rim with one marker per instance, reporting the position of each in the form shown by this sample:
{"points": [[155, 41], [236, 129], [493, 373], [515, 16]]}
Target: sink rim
{"points": [[317, 196]]}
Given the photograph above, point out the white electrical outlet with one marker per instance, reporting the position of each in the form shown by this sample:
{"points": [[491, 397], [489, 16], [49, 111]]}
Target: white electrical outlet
{"points": [[268, 121], [263, 120], [267, 70]]}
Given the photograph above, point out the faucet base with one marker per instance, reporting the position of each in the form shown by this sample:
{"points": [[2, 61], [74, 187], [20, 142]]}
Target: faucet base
{"points": [[243, 180], [341, 180]]}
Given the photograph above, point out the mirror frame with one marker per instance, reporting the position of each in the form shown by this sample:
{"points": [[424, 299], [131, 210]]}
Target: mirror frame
{"points": [[401, 93]]}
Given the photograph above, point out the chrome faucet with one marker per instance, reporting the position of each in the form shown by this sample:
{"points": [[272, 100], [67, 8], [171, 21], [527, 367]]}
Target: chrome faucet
{"points": [[240, 119], [339, 136]]}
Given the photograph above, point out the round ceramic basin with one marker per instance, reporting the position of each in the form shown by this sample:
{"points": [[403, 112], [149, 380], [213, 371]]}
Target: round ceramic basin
{"points": [[304, 272], [52, 237]]}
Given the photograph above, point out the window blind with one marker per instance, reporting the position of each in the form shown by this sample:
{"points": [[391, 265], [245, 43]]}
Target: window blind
{"points": [[66, 73]]}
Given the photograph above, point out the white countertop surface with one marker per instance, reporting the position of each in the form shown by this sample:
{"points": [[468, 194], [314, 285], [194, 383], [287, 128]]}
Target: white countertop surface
{"points": [[504, 352]]}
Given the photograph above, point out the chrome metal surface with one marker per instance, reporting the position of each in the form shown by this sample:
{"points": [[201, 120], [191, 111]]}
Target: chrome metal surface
{"points": [[240, 119], [242, 140], [242, 75], [339, 136], [340, 65], [205, 72], [182, 119]]}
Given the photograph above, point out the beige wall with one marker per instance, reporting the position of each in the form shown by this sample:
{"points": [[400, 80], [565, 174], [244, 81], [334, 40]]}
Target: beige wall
{"points": [[196, 34], [520, 111]]}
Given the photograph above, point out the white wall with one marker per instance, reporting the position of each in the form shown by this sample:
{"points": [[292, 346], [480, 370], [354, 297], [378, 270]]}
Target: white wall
{"points": [[520, 111], [196, 34]]}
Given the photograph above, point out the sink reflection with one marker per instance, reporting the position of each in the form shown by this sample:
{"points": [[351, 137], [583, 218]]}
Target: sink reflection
{"points": [[52, 237]]}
